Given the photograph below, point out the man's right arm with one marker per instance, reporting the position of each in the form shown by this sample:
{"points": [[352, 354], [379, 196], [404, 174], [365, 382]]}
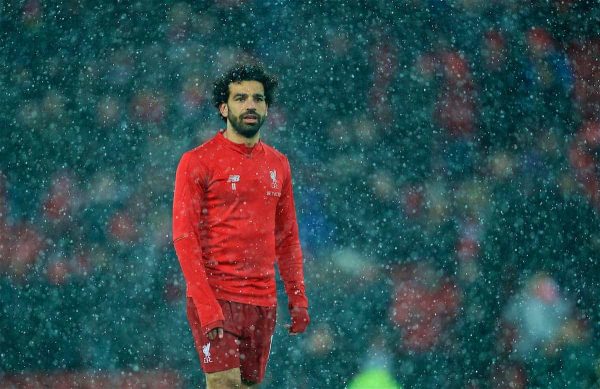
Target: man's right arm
{"points": [[187, 200]]}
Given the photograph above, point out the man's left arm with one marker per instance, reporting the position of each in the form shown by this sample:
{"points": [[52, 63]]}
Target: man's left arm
{"points": [[289, 255]]}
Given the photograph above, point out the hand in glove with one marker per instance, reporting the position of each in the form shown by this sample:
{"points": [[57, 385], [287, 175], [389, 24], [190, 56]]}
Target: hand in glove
{"points": [[300, 320]]}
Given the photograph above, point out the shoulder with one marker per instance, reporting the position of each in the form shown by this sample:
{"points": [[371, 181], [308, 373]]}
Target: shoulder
{"points": [[198, 158], [272, 152], [205, 148], [201, 152]]}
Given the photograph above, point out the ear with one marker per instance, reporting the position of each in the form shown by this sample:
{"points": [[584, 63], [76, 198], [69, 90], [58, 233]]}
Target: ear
{"points": [[224, 109]]}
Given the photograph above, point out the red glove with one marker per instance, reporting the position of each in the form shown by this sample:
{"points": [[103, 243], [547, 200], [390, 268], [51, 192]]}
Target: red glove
{"points": [[300, 320]]}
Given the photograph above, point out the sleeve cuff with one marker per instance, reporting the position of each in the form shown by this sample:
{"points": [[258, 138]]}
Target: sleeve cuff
{"points": [[298, 302]]}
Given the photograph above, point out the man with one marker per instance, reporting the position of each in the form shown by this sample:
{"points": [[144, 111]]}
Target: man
{"points": [[233, 219]]}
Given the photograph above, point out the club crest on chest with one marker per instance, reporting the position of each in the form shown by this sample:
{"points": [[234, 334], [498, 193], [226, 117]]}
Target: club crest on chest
{"points": [[273, 175]]}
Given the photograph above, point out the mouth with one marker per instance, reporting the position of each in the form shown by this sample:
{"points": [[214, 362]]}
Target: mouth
{"points": [[250, 118]]}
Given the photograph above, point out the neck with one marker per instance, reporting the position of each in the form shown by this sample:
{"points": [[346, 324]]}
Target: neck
{"points": [[232, 135]]}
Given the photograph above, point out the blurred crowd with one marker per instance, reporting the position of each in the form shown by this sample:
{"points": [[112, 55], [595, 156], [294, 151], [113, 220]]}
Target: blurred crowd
{"points": [[446, 161]]}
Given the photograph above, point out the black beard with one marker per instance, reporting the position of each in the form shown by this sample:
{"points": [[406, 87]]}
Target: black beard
{"points": [[246, 130]]}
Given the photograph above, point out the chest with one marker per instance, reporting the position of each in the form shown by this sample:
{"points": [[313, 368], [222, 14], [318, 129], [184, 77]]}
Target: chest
{"points": [[247, 180]]}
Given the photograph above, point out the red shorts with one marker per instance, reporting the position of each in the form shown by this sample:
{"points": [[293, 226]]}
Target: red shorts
{"points": [[246, 341]]}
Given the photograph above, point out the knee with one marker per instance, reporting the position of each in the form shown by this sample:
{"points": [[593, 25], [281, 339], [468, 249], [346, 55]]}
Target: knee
{"points": [[224, 380]]}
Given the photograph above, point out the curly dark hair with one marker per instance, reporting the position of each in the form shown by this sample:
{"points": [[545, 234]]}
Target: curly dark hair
{"points": [[243, 72]]}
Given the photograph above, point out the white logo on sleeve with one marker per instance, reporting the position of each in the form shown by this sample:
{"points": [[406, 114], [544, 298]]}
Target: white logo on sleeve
{"points": [[233, 179], [206, 352]]}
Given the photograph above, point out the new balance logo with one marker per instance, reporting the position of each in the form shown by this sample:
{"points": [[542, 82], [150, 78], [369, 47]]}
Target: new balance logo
{"points": [[233, 179]]}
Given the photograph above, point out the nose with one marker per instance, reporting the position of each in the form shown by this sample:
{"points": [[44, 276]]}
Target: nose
{"points": [[250, 105]]}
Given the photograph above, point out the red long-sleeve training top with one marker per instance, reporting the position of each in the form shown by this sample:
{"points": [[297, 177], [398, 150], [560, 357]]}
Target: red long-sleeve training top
{"points": [[233, 219]]}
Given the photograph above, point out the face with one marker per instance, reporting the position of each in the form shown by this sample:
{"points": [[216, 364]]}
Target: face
{"points": [[246, 108]]}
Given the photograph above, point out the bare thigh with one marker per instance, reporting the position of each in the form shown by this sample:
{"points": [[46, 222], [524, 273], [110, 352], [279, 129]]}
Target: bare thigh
{"points": [[227, 379]]}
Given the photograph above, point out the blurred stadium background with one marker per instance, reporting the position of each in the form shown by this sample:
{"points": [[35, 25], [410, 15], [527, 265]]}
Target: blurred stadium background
{"points": [[446, 156]]}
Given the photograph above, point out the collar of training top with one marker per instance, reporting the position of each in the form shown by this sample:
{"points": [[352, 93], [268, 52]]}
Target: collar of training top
{"points": [[239, 147]]}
